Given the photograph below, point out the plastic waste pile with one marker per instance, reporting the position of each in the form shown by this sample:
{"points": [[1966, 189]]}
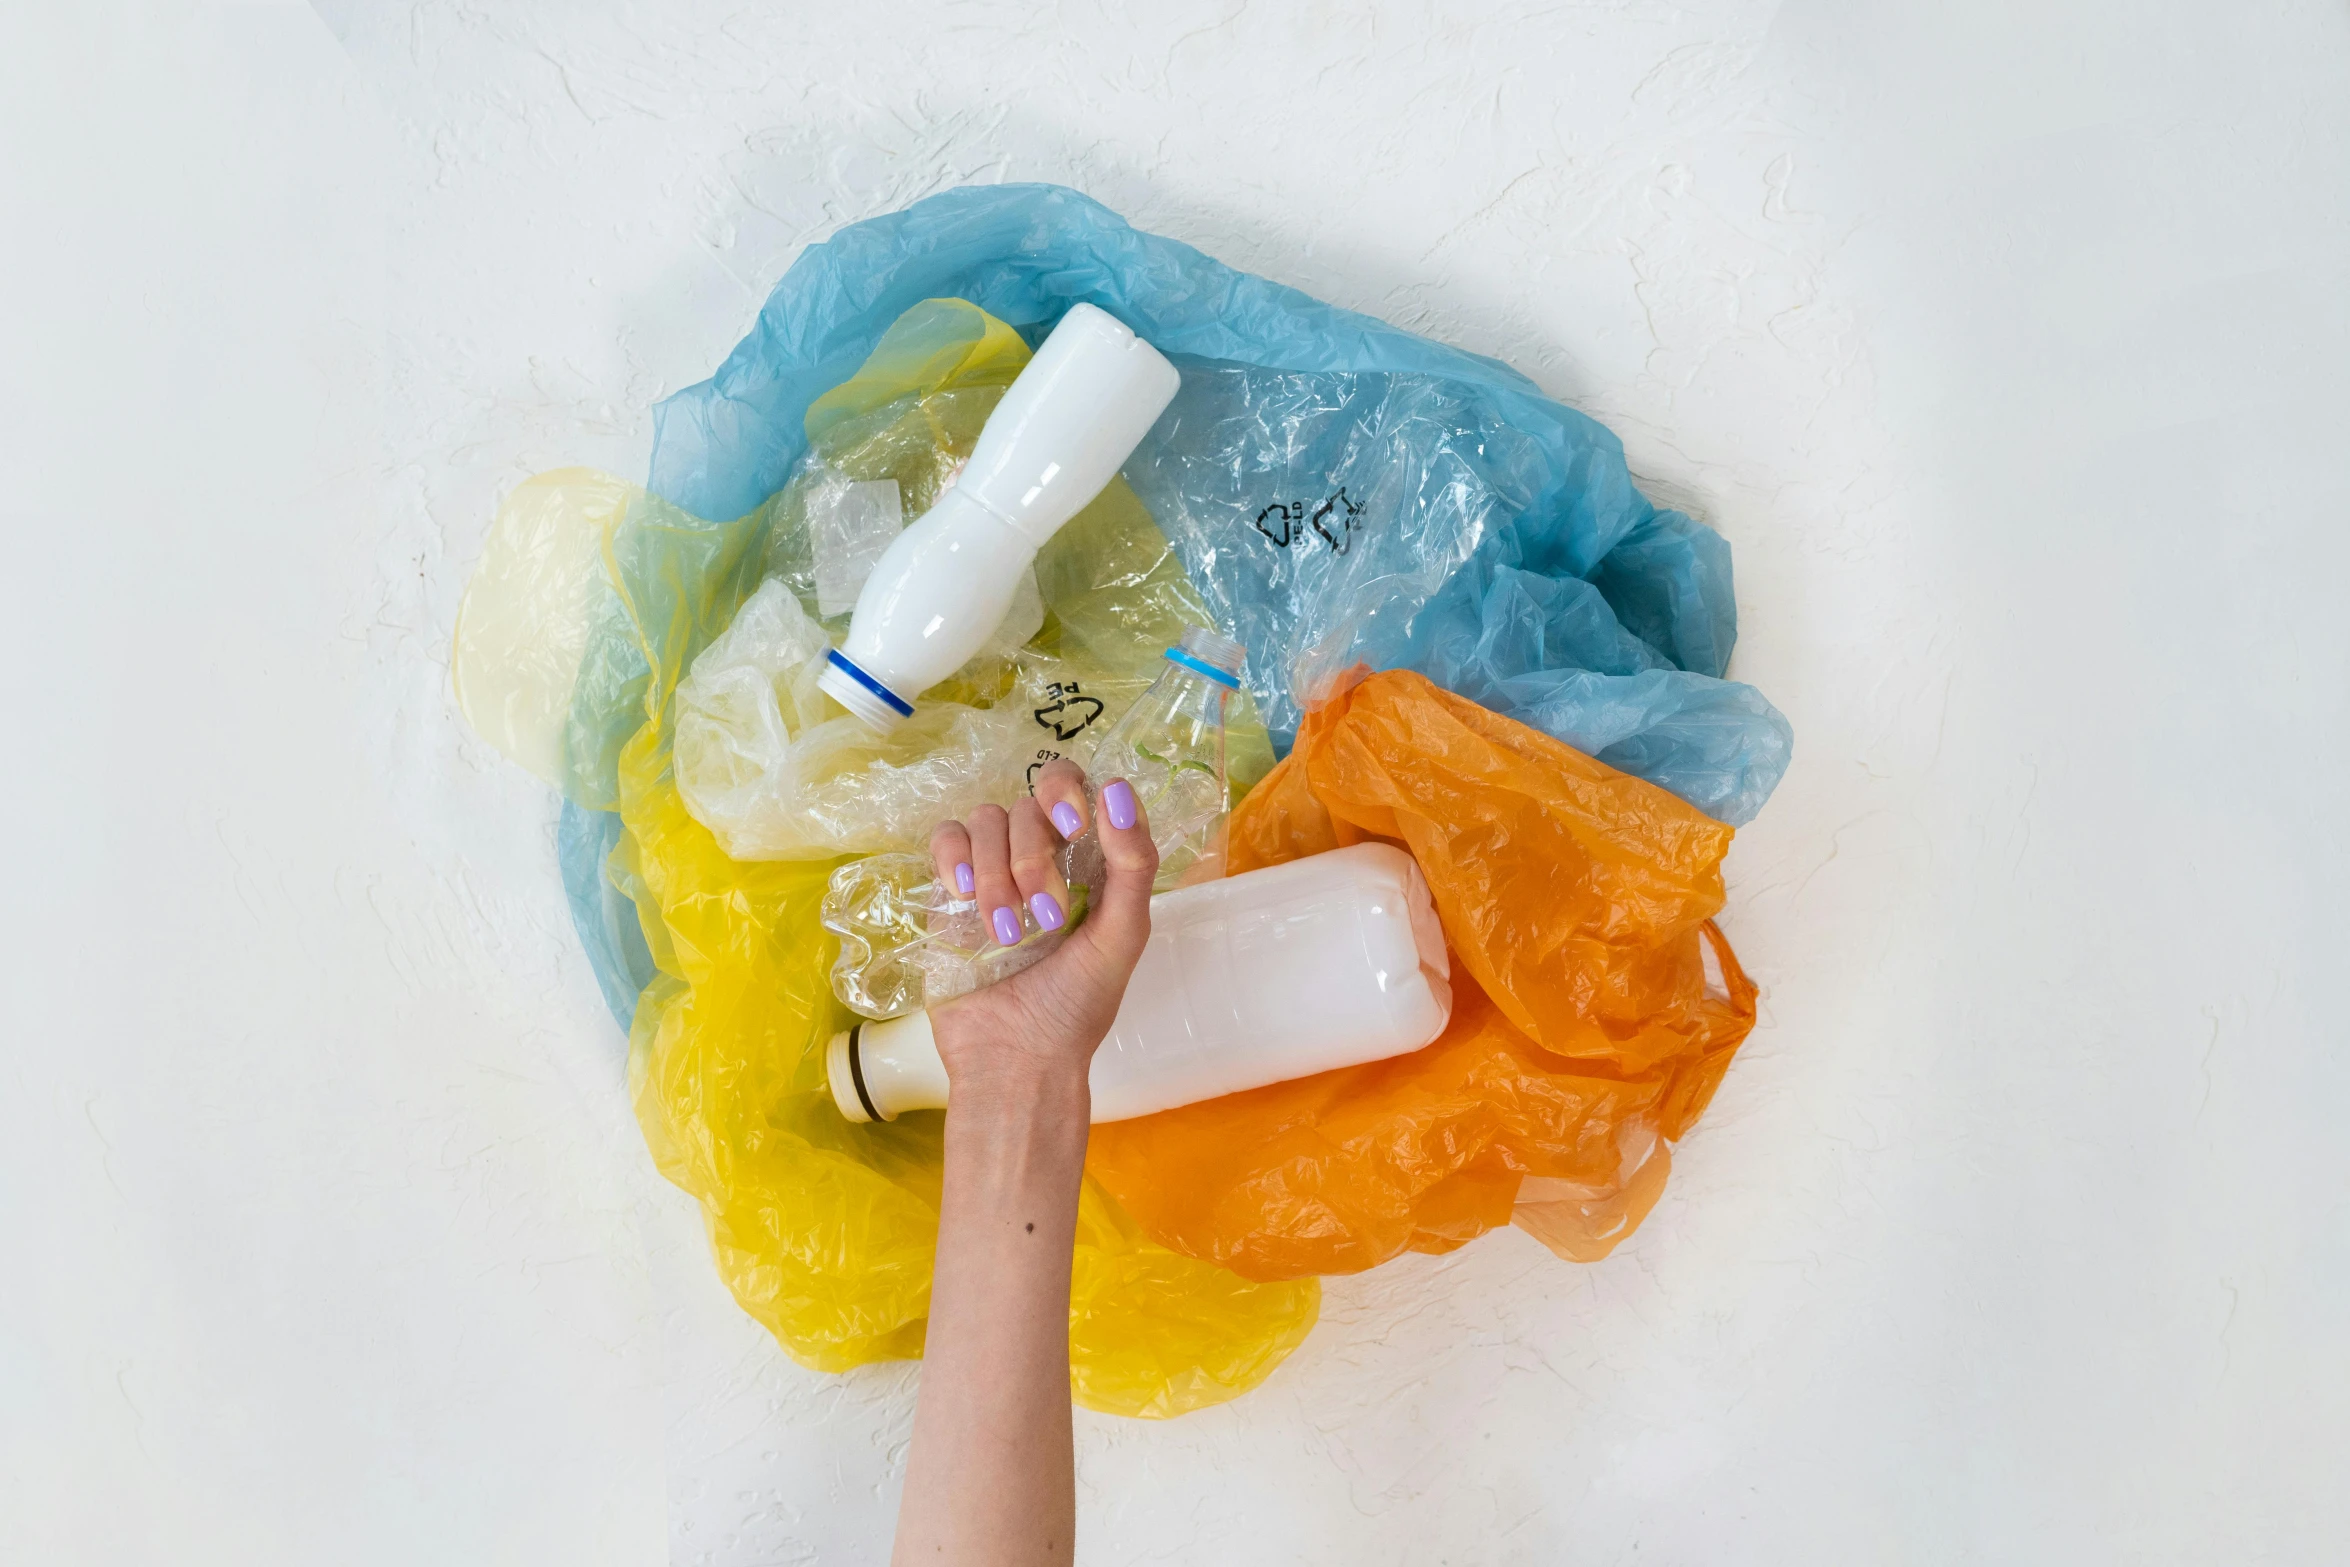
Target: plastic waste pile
{"points": [[1390, 643]]}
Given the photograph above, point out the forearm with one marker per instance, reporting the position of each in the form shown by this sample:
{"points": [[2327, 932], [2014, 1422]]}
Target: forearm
{"points": [[990, 1475]]}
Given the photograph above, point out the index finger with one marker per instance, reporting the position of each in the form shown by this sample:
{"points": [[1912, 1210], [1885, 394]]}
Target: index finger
{"points": [[1123, 923], [1060, 789], [950, 858]]}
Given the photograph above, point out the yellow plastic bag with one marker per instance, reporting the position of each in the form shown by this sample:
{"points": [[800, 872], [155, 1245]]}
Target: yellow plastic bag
{"points": [[1595, 1007], [825, 1230]]}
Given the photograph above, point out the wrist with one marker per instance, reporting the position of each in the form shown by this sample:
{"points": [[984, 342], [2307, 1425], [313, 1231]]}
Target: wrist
{"points": [[986, 1056], [1015, 1084]]}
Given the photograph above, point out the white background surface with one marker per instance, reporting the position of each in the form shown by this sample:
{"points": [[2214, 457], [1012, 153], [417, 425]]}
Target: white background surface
{"points": [[2009, 343]]}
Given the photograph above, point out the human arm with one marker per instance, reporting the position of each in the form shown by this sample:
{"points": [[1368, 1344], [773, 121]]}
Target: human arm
{"points": [[990, 1476]]}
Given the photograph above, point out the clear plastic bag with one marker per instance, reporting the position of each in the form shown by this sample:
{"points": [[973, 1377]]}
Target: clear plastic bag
{"points": [[781, 773], [1394, 520]]}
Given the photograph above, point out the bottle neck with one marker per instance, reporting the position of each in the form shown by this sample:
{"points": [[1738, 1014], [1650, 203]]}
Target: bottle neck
{"points": [[1184, 658], [878, 1071]]}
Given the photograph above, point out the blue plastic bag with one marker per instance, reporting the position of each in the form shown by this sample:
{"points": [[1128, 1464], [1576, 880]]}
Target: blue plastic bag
{"points": [[1340, 490], [1402, 520], [604, 916]]}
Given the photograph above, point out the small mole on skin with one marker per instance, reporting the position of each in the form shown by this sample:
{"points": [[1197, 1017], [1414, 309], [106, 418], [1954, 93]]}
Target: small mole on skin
{"points": [[1032, 1229]]}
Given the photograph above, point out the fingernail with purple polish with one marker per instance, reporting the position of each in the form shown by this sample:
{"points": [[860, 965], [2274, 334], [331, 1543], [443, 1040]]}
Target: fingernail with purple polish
{"points": [[1065, 818], [1007, 927], [1047, 910], [965, 884], [1118, 805]]}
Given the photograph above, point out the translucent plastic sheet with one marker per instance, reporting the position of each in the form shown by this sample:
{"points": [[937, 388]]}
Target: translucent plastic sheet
{"points": [[1343, 519], [529, 608], [1485, 535], [1595, 1007]]}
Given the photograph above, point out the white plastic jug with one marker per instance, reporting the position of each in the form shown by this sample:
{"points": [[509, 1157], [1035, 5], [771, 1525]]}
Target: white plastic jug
{"points": [[1319, 963], [1069, 420]]}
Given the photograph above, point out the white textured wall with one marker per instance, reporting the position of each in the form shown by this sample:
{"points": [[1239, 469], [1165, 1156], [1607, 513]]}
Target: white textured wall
{"points": [[2010, 344]]}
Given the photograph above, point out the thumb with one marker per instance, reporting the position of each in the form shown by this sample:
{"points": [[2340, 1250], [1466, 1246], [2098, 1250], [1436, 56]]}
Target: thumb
{"points": [[1123, 923]]}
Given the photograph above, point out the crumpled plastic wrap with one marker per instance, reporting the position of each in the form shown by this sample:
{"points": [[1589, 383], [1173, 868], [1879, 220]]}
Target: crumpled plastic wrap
{"points": [[1595, 1007], [1396, 520], [1343, 490], [779, 772]]}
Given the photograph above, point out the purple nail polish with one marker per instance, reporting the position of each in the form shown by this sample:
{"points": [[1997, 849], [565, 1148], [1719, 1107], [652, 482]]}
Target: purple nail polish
{"points": [[1007, 927], [1066, 819], [1118, 805], [1047, 910], [965, 884]]}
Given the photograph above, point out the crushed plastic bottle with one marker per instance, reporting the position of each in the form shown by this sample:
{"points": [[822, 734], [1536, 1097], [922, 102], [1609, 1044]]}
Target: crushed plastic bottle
{"points": [[907, 942]]}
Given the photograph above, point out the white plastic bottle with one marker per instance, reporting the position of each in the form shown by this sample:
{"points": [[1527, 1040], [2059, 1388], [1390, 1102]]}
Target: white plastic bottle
{"points": [[1069, 420], [1319, 963]]}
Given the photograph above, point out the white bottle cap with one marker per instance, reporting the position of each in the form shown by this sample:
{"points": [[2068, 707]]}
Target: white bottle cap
{"points": [[879, 706]]}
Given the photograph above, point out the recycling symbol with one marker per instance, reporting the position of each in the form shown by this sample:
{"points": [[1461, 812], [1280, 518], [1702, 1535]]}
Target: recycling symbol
{"points": [[1069, 714], [1333, 519]]}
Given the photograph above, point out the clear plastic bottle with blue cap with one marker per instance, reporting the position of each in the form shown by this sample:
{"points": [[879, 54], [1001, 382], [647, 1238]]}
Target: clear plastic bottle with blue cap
{"points": [[1170, 746], [908, 941]]}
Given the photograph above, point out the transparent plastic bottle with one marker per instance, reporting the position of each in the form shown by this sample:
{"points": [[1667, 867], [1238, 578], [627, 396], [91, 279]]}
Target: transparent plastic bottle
{"points": [[1170, 746], [907, 942]]}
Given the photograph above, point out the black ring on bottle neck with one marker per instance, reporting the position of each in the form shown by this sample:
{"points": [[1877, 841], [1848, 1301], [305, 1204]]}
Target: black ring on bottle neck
{"points": [[857, 1075]]}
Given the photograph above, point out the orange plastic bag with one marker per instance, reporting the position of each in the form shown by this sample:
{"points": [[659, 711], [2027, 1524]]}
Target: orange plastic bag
{"points": [[1589, 1027]]}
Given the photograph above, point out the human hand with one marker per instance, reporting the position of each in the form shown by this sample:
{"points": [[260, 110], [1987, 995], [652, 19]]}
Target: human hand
{"points": [[1041, 1025]]}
